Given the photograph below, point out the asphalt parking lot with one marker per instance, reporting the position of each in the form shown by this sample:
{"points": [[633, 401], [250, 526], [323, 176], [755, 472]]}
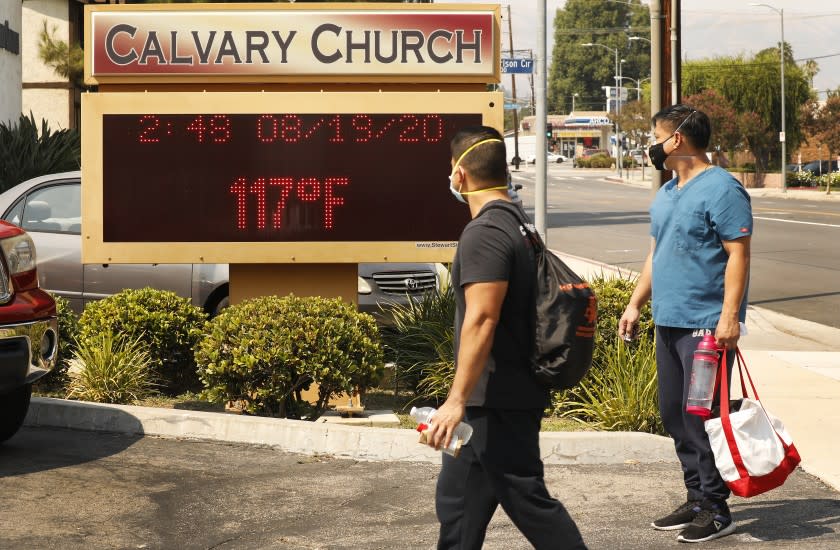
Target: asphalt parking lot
{"points": [[71, 489]]}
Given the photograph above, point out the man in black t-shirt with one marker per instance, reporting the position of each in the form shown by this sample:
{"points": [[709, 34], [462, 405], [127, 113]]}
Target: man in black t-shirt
{"points": [[494, 390]]}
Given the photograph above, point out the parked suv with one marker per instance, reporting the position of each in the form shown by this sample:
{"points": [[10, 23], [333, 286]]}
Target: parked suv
{"points": [[28, 327]]}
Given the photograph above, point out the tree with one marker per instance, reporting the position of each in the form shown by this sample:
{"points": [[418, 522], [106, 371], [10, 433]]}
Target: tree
{"points": [[752, 85], [585, 70], [726, 128], [634, 120], [823, 123], [66, 60]]}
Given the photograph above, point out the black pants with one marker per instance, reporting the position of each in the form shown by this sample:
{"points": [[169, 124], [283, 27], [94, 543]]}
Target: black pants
{"points": [[674, 352], [500, 465]]}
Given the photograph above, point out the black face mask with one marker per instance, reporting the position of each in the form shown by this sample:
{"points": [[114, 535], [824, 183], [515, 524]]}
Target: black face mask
{"points": [[657, 154]]}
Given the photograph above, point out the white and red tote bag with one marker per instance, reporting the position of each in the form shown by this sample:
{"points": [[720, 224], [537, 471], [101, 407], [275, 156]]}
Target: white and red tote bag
{"points": [[753, 451]]}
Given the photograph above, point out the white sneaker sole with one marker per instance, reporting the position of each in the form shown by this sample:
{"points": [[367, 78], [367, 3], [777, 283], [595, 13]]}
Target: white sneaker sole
{"points": [[722, 533], [670, 527]]}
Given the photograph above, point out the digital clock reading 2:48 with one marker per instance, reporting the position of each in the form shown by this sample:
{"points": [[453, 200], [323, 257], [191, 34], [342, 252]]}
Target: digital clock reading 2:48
{"points": [[280, 177]]}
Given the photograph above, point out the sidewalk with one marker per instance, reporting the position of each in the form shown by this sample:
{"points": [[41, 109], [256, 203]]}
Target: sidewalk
{"points": [[634, 178]]}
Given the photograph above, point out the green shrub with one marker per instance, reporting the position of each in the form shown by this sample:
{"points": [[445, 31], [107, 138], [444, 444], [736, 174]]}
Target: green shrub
{"points": [[613, 296], [68, 327], [620, 392], [264, 351], [421, 343], [25, 153], [600, 161], [583, 163], [109, 368], [168, 323]]}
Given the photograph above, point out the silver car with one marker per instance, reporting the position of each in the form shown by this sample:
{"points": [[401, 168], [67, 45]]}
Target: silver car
{"points": [[49, 209]]}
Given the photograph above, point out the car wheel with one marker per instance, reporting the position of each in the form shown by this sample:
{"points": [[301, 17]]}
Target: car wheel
{"points": [[13, 408], [220, 305]]}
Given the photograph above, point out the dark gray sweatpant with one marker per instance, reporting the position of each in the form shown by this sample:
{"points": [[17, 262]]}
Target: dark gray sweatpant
{"points": [[674, 352], [500, 465]]}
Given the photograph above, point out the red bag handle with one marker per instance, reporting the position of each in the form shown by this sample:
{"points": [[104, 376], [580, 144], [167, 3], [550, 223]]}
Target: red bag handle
{"points": [[724, 410], [724, 414]]}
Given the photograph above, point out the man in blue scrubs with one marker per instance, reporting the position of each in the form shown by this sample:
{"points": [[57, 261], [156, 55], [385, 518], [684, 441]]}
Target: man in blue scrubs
{"points": [[697, 276]]}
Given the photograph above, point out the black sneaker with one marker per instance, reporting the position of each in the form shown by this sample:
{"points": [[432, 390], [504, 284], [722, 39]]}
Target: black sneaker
{"points": [[712, 522], [679, 518]]}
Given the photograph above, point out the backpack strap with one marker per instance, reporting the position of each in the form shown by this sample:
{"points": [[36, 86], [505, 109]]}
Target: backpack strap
{"points": [[514, 210]]}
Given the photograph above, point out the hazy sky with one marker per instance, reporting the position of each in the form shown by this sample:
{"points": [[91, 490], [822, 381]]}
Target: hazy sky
{"points": [[722, 27]]}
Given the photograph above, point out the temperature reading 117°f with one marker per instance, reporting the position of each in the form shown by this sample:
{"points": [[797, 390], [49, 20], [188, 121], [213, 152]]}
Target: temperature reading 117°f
{"points": [[262, 202]]}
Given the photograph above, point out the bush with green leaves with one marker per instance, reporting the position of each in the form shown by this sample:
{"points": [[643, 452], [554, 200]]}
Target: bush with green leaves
{"points": [[263, 352], [421, 343], [110, 368], [620, 391], [613, 296], [601, 161], [168, 323], [27, 153], [68, 327]]}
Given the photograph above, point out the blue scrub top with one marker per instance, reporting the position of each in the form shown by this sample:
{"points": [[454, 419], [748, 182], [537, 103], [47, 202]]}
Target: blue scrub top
{"points": [[689, 261]]}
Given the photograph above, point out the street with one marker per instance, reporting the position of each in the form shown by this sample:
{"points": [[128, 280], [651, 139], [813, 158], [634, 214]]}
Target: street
{"points": [[795, 266], [64, 489]]}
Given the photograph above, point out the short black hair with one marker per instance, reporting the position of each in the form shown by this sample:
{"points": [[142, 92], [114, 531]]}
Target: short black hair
{"points": [[486, 163], [693, 124]]}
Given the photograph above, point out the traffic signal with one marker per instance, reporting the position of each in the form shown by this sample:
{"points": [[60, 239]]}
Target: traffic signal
{"points": [[549, 130]]}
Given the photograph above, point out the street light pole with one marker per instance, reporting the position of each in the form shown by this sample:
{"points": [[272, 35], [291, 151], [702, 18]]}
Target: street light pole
{"points": [[573, 101], [782, 136]]}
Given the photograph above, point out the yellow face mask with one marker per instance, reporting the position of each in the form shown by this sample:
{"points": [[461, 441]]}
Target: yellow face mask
{"points": [[457, 193]]}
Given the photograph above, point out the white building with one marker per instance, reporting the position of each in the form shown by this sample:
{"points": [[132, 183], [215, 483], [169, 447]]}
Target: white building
{"points": [[10, 61], [44, 92]]}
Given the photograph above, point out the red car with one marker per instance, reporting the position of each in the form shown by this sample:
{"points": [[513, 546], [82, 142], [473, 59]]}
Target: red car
{"points": [[28, 327]]}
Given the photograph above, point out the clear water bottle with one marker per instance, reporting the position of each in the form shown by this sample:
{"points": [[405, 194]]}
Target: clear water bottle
{"points": [[460, 437], [701, 387]]}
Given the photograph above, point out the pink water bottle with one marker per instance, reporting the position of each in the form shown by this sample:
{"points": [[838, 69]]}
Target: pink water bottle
{"points": [[701, 387]]}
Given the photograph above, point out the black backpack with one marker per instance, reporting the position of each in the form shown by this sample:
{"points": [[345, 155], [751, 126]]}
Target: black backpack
{"points": [[565, 313]]}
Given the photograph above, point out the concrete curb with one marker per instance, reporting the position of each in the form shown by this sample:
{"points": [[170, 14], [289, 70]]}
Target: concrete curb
{"points": [[360, 443]]}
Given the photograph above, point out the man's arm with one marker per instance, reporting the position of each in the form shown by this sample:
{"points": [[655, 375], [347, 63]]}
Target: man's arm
{"points": [[734, 283], [481, 315], [629, 323]]}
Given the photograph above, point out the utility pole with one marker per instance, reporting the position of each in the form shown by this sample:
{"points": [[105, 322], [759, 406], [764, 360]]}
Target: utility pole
{"points": [[531, 75], [541, 175], [513, 92], [664, 65]]}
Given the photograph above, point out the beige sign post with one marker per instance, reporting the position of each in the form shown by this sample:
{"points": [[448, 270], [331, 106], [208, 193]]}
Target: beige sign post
{"points": [[290, 141]]}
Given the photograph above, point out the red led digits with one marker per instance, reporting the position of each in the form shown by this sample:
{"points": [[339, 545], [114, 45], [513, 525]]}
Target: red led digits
{"points": [[433, 128], [335, 124], [285, 186], [408, 134], [331, 201], [363, 125], [291, 128], [267, 129], [197, 126], [258, 189], [240, 189], [284, 189], [220, 128], [149, 125]]}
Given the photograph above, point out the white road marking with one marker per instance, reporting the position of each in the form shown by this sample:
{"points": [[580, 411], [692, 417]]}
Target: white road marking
{"points": [[796, 221]]}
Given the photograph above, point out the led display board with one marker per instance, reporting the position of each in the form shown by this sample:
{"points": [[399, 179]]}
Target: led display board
{"points": [[274, 177]]}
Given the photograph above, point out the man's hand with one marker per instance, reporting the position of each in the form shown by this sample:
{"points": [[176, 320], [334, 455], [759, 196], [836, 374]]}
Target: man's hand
{"points": [[628, 326], [443, 424], [727, 333]]}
